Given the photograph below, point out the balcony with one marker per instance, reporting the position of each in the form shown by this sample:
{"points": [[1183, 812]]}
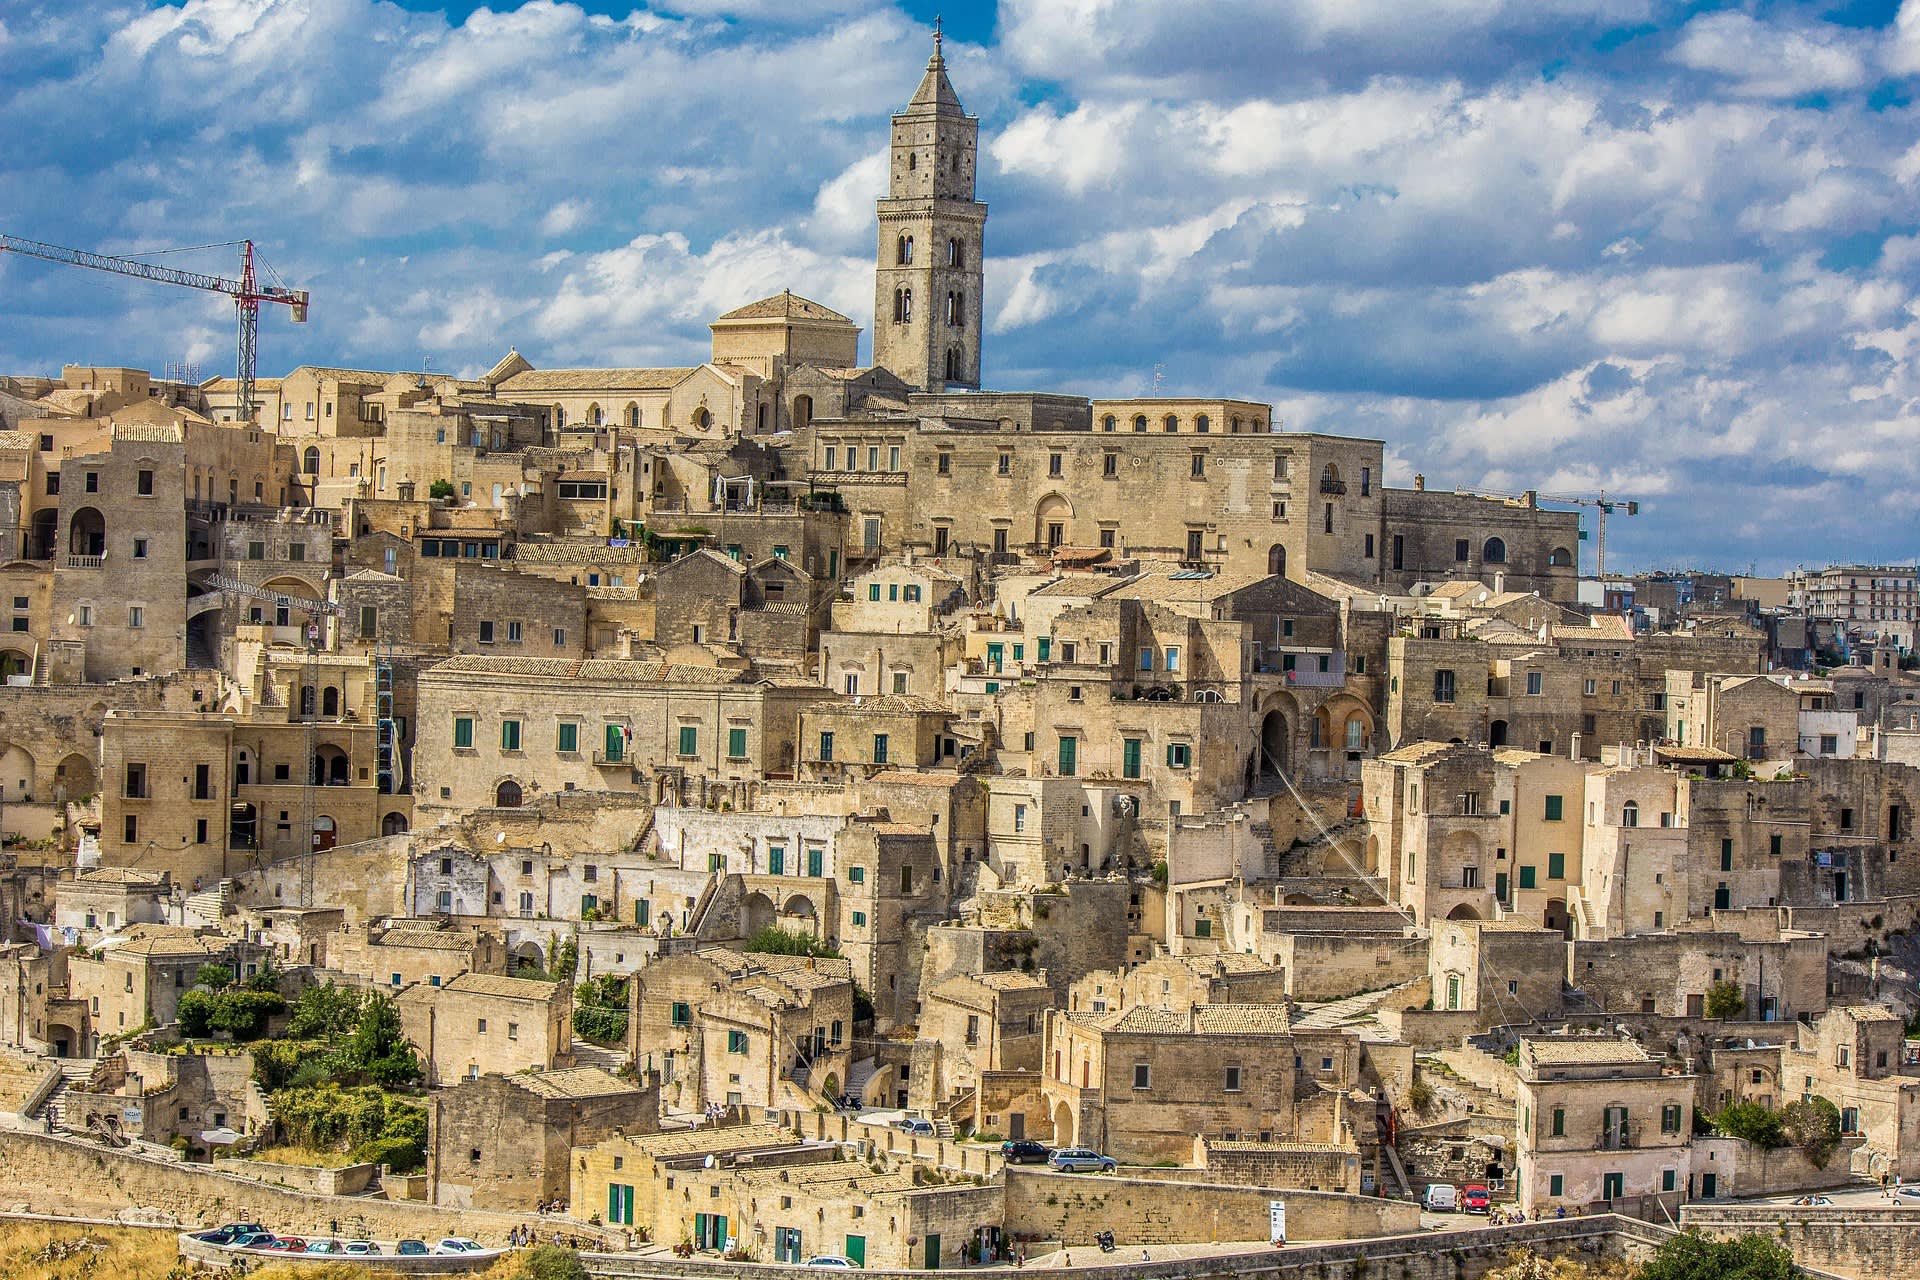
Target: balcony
{"points": [[1619, 1137], [611, 760], [85, 562], [1329, 485]]}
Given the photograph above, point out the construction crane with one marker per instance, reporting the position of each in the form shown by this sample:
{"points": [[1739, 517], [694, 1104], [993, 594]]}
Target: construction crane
{"points": [[306, 701], [1603, 505], [247, 293]]}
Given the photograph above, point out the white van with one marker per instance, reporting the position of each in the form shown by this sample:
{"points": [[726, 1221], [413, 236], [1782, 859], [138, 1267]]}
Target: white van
{"points": [[1441, 1198]]}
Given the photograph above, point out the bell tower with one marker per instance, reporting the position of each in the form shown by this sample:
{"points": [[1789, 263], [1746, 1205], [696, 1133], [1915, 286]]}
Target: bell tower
{"points": [[927, 276]]}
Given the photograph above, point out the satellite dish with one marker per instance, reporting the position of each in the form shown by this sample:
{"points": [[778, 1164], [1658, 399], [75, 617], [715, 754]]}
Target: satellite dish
{"points": [[499, 837]]}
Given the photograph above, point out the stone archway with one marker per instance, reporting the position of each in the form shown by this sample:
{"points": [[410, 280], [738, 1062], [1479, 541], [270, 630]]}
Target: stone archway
{"points": [[394, 824], [757, 913], [1064, 1127], [1053, 521], [507, 795], [1277, 560], [1463, 912]]}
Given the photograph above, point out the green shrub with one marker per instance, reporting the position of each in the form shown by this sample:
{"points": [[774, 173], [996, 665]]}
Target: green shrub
{"points": [[776, 941], [244, 1013], [551, 1262], [1689, 1256], [195, 1012], [1754, 1121], [440, 490], [1725, 1000], [1813, 1125], [215, 976], [599, 1024]]}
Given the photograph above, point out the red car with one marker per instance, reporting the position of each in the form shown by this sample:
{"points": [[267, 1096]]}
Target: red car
{"points": [[1476, 1199], [286, 1244]]}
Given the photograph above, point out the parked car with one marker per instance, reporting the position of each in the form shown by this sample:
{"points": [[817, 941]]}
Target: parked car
{"points": [[828, 1260], [1475, 1199], [411, 1248], [217, 1235], [284, 1244], [360, 1248], [917, 1127], [251, 1240], [1441, 1197], [1025, 1151], [459, 1244], [323, 1246], [1908, 1192], [1814, 1202], [1081, 1160]]}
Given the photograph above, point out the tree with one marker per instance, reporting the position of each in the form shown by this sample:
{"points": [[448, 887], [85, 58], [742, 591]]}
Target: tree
{"points": [[1725, 1000], [551, 1262], [378, 1048], [325, 1012], [775, 941], [1813, 1125], [440, 490], [1754, 1121], [195, 1012], [213, 976], [1689, 1256]]}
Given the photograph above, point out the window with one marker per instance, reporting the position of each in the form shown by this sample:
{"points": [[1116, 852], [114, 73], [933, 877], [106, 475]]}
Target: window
{"points": [[1173, 657], [1669, 1179], [1233, 1080], [880, 748], [1556, 866], [1069, 755], [1179, 755], [859, 919], [1130, 758], [1536, 684], [1197, 466], [856, 875], [1629, 814], [776, 860], [736, 1042], [486, 633], [1443, 686], [1670, 1118], [1110, 465], [682, 1014], [736, 744], [509, 735], [1460, 550], [1559, 1122], [1142, 1076], [369, 621], [826, 746], [132, 829], [1773, 844], [139, 548], [1146, 658], [462, 732], [1556, 1185], [1527, 877], [136, 616], [567, 739], [1054, 462], [1555, 809], [1019, 818], [689, 740]]}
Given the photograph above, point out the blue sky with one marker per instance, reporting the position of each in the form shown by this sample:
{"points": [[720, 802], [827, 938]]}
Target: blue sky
{"points": [[1669, 249]]}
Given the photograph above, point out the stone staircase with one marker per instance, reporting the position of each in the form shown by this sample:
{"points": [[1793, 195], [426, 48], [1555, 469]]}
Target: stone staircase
{"points": [[1348, 1011], [208, 906], [859, 1074], [73, 1071], [1457, 1094]]}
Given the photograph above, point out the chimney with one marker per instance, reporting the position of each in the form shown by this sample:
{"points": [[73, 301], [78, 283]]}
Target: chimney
{"points": [[1419, 483], [1573, 747], [1500, 583]]}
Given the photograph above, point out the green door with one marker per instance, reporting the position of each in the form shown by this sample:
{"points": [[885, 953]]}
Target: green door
{"points": [[1130, 758], [616, 742], [857, 1250], [1613, 1186], [1069, 756], [1709, 1185], [994, 653], [933, 1253], [815, 861]]}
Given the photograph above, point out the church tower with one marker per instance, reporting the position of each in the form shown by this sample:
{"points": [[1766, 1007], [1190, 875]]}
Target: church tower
{"points": [[926, 300]]}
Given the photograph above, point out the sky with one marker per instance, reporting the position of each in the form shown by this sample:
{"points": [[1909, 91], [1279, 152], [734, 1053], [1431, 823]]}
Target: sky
{"points": [[1668, 250]]}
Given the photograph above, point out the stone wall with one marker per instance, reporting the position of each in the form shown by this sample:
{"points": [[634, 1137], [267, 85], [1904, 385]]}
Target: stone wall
{"points": [[71, 1175], [1856, 1241], [1042, 1205]]}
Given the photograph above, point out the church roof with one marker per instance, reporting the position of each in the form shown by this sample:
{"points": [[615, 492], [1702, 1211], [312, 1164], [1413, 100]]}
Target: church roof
{"points": [[936, 91], [786, 305]]}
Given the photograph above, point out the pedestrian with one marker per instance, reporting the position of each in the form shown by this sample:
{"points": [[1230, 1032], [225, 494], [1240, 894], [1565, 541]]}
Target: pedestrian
{"points": [[1019, 1258], [1145, 1256]]}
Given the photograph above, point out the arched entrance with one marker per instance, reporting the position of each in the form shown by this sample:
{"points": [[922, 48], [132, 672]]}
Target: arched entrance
{"points": [[14, 663], [1064, 1128], [46, 534], [393, 824], [507, 795], [1555, 917], [87, 533], [799, 911], [1277, 560], [73, 778], [1052, 521], [1463, 912], [1497, 734], [1275, 736], [325, 834], [756, 913], [16, 775]]}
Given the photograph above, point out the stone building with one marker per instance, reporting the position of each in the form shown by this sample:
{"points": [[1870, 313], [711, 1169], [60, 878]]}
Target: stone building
{"points": [[506, 1141], [743, 1030], [399, 954], [1857, 1057], [985, 1022], [136, 978], [1780, 978], [1603, 1126], [479, 1024], [1141, 1083], [1756, 718], [108, 899]]}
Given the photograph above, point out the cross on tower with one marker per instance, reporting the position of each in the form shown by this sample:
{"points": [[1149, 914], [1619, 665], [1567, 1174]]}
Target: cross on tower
{"points": [[937, 37]]}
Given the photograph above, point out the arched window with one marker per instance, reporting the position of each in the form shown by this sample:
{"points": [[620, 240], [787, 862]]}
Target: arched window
{"points": [[956, 254], [1495, 552], [913, 161], [1107, 423], [957, 309], [1171, 423], [1277, 560], [594, 416], [899, 305], [559, 418], [1202, 425], [702, 419], [633, 414], [1629, 814], [310, 463], [906, 306], [1560, 558], [954, 373], [1139, 422], [762, 421], [329, 701], [507, 795], [905, 253]]}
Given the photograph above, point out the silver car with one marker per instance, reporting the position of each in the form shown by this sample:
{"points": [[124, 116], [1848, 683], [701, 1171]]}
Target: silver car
{"points": [[1081, 1160]]}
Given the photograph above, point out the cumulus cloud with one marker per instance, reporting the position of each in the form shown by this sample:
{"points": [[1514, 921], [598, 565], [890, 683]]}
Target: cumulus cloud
{"points": [[1761, 59]]}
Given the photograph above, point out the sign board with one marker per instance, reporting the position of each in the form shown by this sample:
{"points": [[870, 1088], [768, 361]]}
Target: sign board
{"points": [[1277, 1221]]}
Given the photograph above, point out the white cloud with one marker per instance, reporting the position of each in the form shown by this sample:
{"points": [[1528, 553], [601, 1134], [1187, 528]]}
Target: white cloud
{"points": [[1764, 60], [566, 216]]}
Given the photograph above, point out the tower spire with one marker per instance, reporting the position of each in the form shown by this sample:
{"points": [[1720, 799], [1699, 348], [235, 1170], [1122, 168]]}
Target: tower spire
{"points": [[937, 37]]}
